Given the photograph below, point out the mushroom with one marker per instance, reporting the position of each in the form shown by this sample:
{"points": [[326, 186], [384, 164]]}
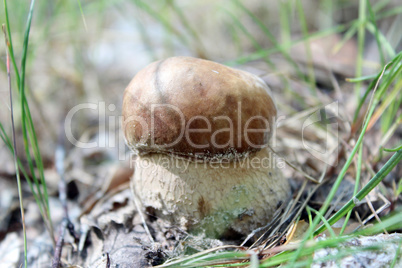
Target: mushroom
{"points": [[200, 133]]}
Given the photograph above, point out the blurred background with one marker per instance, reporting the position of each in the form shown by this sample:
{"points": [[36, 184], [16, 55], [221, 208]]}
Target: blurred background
{"points": [[87, 51]]}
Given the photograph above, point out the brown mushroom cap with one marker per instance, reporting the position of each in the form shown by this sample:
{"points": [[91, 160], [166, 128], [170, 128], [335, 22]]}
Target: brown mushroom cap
{"points": [[197, 108]]}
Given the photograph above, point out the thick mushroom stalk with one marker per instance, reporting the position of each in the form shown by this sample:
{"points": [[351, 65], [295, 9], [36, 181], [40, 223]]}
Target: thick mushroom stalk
{"points": [[200, 131]]}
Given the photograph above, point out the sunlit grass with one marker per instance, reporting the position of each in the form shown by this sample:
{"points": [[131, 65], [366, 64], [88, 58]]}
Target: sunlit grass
{"points": [[38, 187], [284, 255]]}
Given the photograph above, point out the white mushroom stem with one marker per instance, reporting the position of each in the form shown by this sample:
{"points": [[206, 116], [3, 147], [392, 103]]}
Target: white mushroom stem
{"points": [[211, 196]]}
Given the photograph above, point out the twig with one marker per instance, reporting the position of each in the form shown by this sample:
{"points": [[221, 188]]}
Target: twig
{"points": [[379, 210], [59, 245], [66, 223], [373, 211], [293, 166]]}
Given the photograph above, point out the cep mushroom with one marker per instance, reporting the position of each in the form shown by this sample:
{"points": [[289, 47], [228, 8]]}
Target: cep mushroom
{"points": [[200, 132]]}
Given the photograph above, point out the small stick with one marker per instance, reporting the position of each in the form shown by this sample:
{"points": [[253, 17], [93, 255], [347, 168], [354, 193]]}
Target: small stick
{"points": [[59, 245], [144, 223], [66, 223]]}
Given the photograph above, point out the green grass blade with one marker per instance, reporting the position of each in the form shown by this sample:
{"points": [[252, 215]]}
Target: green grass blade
{"points": [[186, 23], [287, 45], [254, 42], [389, 13], [326, 223], [28, 131], [385, 45], [360, 44], [376, 98], [397, 255], [284, 22], [384, 171], [390, 107], [342, 173], [376, 33], [394, 149], [82, 15], [164, 22], [357, 182], [27, 124], [272, 39], [347, 36], [310, 64], [8, 143], [395, 62], [19, 186], [10, 44]]}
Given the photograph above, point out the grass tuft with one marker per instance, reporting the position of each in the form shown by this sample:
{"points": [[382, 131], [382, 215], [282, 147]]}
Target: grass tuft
{"points": [[31, 147]]}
